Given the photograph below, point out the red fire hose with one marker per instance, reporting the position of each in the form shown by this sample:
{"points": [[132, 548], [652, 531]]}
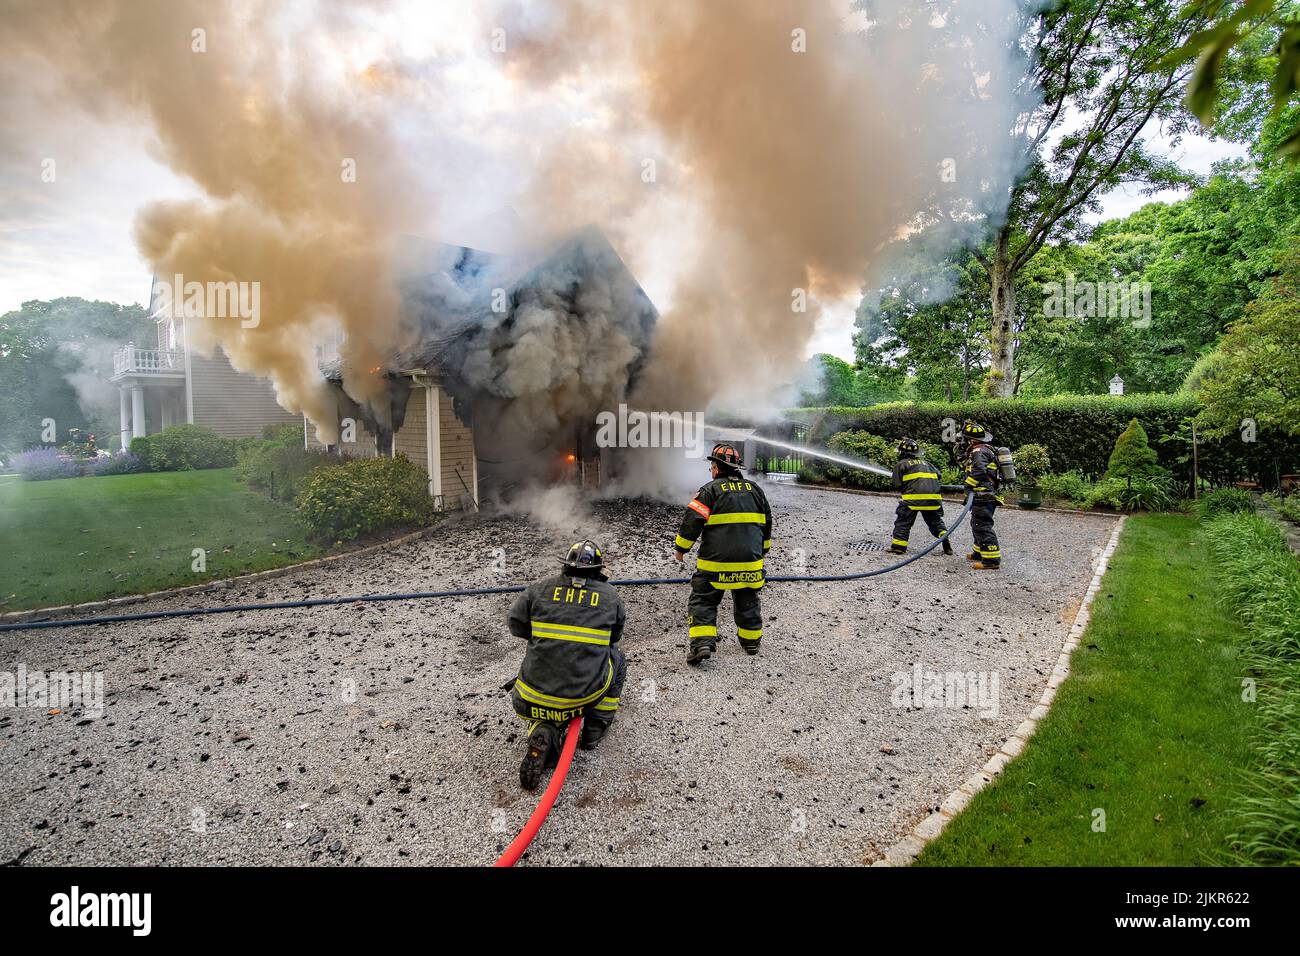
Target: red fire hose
{"points": [[520, 843]]}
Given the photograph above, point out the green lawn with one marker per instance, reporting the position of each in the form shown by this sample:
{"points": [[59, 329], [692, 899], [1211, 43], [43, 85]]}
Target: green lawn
{"points": [[84, 539], [1150, 728]]}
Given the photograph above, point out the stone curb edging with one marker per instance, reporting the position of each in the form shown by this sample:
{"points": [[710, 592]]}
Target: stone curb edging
{"points": [[951, 499], [906, 850], [219, 584]]}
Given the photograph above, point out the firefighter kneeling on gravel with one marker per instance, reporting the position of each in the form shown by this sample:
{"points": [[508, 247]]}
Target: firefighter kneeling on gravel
{"points": [[979, 461], [919, 482], [736, 522], [571, 622]]}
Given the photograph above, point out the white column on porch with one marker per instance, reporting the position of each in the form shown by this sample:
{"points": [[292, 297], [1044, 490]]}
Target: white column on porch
{"points": [[125, 404], [137, 411]]}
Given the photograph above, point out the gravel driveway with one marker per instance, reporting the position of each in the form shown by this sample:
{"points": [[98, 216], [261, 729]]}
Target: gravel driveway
{"points": [[377, 734]]}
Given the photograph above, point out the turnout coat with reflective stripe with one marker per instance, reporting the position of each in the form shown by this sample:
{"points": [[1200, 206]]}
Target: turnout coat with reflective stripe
{"points": [[981, 468], [732, 520], [569, 630], [919, 482]]}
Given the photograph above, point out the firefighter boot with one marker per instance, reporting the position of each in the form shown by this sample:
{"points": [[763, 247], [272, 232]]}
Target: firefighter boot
{"points": [[700, 650], [973, 556], [895, 549], [542, 746], [593, 731], [947, 546]]}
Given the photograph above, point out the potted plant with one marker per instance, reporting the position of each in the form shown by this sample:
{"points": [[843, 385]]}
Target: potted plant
{"points": [[1032, 463]]}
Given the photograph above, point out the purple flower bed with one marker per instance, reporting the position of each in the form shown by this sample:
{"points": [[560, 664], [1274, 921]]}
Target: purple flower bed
{"points": [[122, 463], [42, 464]]}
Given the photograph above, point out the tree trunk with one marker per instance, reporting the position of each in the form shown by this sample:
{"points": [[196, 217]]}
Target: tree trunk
{"points": [[1002, 336]]}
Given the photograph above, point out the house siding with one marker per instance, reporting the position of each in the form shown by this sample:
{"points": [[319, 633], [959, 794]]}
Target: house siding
{"points": [[412, 439], [232, 403], [363, 446], [457, 449]]}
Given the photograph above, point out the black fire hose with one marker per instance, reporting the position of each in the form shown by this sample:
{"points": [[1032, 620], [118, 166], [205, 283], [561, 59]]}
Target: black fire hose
{"points": [[462, 592]]}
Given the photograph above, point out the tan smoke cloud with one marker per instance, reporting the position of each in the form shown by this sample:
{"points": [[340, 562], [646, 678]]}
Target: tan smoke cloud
{"points": [[787, 129], [245, 120], [785, 144]]}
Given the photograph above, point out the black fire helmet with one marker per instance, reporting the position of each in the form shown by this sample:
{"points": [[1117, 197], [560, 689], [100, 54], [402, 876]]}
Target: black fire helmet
{"points": [[584, 558], [725, 454], [908, 446]]}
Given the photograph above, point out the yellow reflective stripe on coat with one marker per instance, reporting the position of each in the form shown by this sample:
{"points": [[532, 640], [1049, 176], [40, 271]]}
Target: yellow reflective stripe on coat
{"points": [[608, 703], [553, 626], [738, 584], [704, 565], [569, 632], [685, 544], [920, 474], [738, 517], [923, 496], [546, 700]]}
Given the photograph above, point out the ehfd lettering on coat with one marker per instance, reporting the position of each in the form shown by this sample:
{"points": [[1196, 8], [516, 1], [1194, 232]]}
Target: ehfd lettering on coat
{"points": [[582, 596], [736, 486]]}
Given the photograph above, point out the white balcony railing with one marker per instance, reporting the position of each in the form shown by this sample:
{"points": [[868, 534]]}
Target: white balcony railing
{"points": [[130, 360]]}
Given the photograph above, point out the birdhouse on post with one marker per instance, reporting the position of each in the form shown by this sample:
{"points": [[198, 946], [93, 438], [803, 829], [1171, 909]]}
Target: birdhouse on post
{"points": [[1117, 386]]}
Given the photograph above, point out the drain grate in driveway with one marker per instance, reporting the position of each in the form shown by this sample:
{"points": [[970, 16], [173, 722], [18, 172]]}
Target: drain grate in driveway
{"points": [[865, 547]]}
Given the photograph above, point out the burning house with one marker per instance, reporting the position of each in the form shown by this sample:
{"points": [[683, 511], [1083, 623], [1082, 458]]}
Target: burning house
{"points": [[512, 356]]}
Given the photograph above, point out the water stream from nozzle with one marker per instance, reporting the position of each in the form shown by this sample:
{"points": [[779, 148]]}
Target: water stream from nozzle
{"points": [[821, 453]]}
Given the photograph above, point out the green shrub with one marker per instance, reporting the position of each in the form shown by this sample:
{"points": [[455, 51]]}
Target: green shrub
{"points": [[1259, 579], [1032, 463], [810, 474], [184, 448], [1078, 431], [283, 435], [1104, 494], [1071, 486], [365, 495], [1149, 493], [1223, 501], [281, 470], [1133, 457]]}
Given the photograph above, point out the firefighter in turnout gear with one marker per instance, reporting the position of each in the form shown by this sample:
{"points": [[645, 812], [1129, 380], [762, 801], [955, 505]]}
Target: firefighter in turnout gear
{"points": [[572, 623], [732, 520], [919, 482], [979, 461]]}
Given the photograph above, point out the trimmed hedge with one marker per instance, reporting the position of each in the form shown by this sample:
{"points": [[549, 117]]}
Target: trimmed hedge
{"points": [[183, 448], [365, 495], [1078, 431]]}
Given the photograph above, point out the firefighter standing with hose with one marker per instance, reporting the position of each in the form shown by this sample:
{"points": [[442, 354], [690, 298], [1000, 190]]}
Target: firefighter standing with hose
{"points": [[918, 480], [572, 622], [733, 522], [979, 462]]}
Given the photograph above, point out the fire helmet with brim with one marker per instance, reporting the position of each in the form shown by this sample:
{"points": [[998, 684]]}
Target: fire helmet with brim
{"points": [[724, 453], [584, 556], [908, 446], [975, 431]]}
